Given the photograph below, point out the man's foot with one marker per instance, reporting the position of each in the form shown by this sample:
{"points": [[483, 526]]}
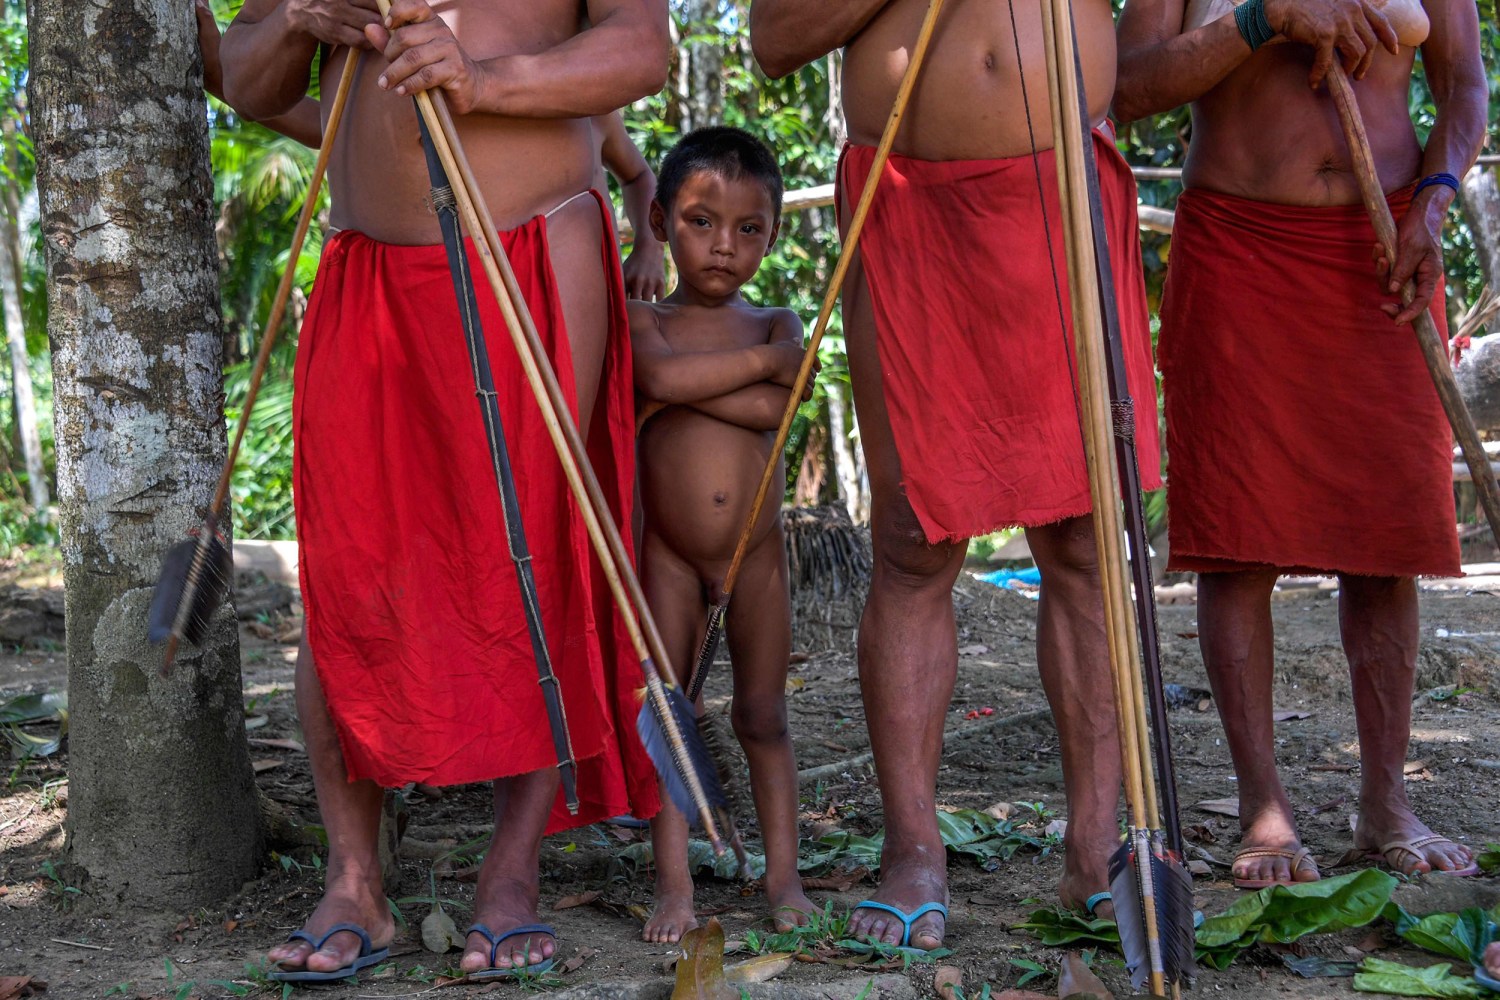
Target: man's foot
{"points": [[342, 903], [907, 887], [790, 907], [1407, 845], [1094, 905], [1491, 957], [1271, 853], [503, 905]]}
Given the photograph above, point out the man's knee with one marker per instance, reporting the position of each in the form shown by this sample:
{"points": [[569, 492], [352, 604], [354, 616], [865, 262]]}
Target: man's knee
{"points": [[757, 722], [1065, 551], [902, 551]]}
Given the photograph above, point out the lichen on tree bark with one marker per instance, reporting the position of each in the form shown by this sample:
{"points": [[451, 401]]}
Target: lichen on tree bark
{"points": [[161, 800]]}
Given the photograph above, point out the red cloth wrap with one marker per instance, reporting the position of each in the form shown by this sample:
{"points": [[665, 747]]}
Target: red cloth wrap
{"points": [[413, 609], [1303, 427], [973, 355]]}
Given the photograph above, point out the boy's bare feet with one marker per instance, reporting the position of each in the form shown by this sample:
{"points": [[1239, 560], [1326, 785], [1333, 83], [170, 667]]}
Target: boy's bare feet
{"points": [[346, 900], [790, 907], [674, 915]]}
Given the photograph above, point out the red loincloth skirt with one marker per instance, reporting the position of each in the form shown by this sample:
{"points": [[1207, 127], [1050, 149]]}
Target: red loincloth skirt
{"points": [[1303, 428], [973, 355], [413, 610]]}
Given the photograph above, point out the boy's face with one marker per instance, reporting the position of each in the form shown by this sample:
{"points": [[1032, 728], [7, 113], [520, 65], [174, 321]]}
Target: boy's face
{"points": [[719, 230]]}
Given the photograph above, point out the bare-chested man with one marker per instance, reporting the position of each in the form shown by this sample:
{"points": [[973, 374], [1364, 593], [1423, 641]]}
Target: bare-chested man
{"points": [[1303, 428], [423, 666], [960, 361]]}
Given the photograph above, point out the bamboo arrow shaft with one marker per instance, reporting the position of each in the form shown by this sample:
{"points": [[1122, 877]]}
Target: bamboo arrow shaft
{"points": [[1104, 484], [1434, 348], [558, 419]]}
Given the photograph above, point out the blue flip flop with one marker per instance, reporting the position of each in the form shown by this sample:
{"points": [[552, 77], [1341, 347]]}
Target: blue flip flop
{"points": [[367, 956], [907, 919], [537, 968], [1486, 980]]}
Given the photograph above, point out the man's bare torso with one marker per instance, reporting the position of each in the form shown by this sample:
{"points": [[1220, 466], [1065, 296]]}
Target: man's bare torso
{"points": [[967, 103], [525, 166], [1264, 134]]}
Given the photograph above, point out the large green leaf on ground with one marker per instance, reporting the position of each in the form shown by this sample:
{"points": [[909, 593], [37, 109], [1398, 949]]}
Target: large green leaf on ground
{"points": [[1377, 975], [1284, 913], [1463, 935]]}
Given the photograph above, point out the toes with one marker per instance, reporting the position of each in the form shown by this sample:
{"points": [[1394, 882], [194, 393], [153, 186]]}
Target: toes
{"points": [[290, 955], [927, 935]]}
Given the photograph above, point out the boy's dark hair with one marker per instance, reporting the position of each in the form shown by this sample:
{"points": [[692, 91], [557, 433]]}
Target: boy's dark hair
{"points": [[724, 150]]}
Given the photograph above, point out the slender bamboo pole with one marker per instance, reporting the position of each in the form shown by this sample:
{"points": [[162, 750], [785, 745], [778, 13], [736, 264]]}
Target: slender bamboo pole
{"points": [[558, 418], [1104, 484], [1434, 349], [267, 341]]}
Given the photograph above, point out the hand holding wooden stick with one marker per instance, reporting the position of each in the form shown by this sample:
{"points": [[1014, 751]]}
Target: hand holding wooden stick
{"points": [[1434, 347]]}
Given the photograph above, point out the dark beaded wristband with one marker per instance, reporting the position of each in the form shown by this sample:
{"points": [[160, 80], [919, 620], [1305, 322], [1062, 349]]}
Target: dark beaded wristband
{"points": [[1250, 19], [1432, 180]]}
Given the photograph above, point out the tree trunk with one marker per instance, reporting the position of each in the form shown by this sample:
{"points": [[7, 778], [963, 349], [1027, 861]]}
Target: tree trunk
{"points": [[1481, 207], [704, 55], [161, 807], [12, 287], [845, 457]]}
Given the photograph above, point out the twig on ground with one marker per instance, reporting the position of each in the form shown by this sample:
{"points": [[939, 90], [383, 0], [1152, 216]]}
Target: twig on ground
{"points": [[840, 766], [80, 944]]}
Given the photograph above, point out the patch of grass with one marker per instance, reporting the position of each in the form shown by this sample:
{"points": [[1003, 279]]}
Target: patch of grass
{"points": [[63, 894]]}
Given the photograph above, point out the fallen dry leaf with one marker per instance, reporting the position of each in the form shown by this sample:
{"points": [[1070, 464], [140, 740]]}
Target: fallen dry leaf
{"points": [[798, 657], [576, 962], [1288, 714], [760, 969], [265, 764], [976, 649], [20, 986], [838, 882], [1057, 828], [230, 925], [1373, 941], [439, 932], [261, 630], [1413, 766], [947, 981], [581, 899], [1000, 811], [1200, 867], [700, 971], [1076, 979], [1221, 807]]}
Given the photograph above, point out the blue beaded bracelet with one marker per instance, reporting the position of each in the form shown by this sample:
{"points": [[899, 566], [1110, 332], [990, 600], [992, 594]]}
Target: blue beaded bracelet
{"points": [[1250, 19], [1431, 180]]}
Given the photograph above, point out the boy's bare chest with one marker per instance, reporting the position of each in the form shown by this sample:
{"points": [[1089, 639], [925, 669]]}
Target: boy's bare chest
{"points": [[714, 330]]}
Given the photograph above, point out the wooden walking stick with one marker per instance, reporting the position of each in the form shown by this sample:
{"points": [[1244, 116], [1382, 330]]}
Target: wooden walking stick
{"points": [[195, 573], [710, 646], [666, 721], [1434, 348], [1151, 893]]}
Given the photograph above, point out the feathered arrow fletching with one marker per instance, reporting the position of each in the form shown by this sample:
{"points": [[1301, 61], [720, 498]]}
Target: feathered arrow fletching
{"points": [[659, 748], [1138, 867]]}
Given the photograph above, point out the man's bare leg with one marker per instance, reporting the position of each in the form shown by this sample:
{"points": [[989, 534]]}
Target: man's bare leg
{"points": [[760, 646], [908, 657], [1492, 960], [674, 590], [1238, 645], [1378, 620], [508, 879], [352, 890], [1073, 656]]}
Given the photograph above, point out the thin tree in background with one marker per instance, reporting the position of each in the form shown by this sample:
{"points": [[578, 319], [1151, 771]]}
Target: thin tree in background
{"points": [[12, 252], [162, 810]]}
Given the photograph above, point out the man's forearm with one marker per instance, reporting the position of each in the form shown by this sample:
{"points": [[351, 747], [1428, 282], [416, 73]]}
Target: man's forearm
{"points": [[612, 64], [267, 64], [1461, 95], [757, 407], [1157, 78], [303, 123], [786, 35], [637, 197]]}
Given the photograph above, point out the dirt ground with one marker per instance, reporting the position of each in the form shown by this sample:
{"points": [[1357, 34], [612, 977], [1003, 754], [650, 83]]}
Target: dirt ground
{"points": [[1453, 781]]}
